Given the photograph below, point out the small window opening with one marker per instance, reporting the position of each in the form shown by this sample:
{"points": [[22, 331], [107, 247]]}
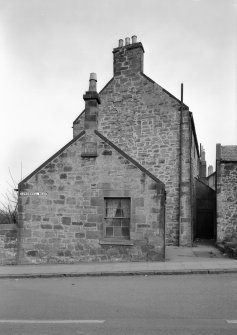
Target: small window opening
{"points": [[117, 218]]}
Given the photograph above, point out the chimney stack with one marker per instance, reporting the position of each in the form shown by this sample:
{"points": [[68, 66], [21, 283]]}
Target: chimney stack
{"points": [[128, 58], [92, 100], [203, 164], [210, 170]]}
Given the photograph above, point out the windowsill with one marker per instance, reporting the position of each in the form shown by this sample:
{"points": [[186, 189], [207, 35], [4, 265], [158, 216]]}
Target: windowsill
{"points": [[108, 241]]}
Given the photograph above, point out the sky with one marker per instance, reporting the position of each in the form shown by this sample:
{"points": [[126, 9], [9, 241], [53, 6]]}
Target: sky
{"points": [[49, 48]]}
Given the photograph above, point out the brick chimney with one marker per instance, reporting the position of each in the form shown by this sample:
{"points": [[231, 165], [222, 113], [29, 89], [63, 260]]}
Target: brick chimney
{"points": [[128, 58], [92, 100]]}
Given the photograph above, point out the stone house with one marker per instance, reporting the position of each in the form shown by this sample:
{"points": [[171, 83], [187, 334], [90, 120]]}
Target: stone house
{"points": [[102, 196], [157, 130], [226, 192]]}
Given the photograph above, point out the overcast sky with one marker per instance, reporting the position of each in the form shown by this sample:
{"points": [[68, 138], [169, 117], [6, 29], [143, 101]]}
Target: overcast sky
{"points": [[49, 48]]}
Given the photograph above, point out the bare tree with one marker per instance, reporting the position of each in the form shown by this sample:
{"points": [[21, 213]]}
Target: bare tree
{"points": [[9, 204]]}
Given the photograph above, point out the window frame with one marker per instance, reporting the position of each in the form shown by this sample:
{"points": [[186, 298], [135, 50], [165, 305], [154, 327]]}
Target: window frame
{"points": [[105, 217]]}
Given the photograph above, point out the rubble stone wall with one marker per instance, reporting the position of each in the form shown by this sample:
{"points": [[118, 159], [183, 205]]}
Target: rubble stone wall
{"points": [[61, 208], [8, 244], [226, 193], [143, 119]]}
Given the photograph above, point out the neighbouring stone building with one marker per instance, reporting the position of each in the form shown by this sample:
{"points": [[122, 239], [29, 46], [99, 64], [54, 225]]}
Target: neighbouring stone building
{"points": [[226, 189], [205, 201], [102, 196]]}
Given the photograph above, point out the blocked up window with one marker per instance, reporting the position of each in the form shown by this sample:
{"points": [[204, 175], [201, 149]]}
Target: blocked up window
{"points": [[117, 218], [89, 149]]}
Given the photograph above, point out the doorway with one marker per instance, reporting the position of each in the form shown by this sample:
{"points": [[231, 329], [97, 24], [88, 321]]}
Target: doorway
{"points": [[205, 224]]}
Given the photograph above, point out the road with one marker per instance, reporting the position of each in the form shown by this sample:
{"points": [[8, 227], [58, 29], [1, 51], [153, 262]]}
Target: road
{"points": [[187, 305]]}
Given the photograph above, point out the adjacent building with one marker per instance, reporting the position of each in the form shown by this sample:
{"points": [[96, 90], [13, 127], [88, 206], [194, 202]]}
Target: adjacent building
{"points": [[226, 192]]}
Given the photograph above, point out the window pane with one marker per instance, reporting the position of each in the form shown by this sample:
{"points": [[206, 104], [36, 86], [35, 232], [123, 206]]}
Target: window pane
{"points": [[111, 207], [125, 232], [108, 222], [119, 212], [109, 231], [125, 204], [125, 222], [116, 222], [117, 231]]}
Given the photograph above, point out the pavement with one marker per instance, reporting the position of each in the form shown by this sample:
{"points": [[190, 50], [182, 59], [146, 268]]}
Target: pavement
{"points": [[202, 258]]}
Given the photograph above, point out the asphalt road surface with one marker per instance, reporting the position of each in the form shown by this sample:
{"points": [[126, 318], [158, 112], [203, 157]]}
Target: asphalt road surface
{"points": [[187, 305]]}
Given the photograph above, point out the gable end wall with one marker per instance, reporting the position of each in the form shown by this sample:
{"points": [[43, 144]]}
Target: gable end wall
{"points": [[61, 209]]}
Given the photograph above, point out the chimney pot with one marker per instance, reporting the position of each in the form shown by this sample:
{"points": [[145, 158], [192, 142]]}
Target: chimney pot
{"points": [[134, 39], [93, 80], [127, 40], [93, 76], [120, 43]]}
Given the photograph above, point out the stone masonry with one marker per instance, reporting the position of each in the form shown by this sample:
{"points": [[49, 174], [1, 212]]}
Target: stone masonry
{"points": [[226, 187], [62, 203], [145, 121], [8, 244]]}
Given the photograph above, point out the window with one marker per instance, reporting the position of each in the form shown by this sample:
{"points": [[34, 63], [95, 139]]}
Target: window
{"points": [[117, 218]]}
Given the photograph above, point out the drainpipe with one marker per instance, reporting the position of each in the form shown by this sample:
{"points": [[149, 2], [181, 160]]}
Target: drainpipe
{"points": [[164, 196], [180, 159], [191, 177]]}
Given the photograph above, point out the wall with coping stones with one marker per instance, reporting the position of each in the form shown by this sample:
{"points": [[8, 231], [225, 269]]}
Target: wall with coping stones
{"points": [[8, 244], [226, 188], [144, 120], [66, 225]]}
